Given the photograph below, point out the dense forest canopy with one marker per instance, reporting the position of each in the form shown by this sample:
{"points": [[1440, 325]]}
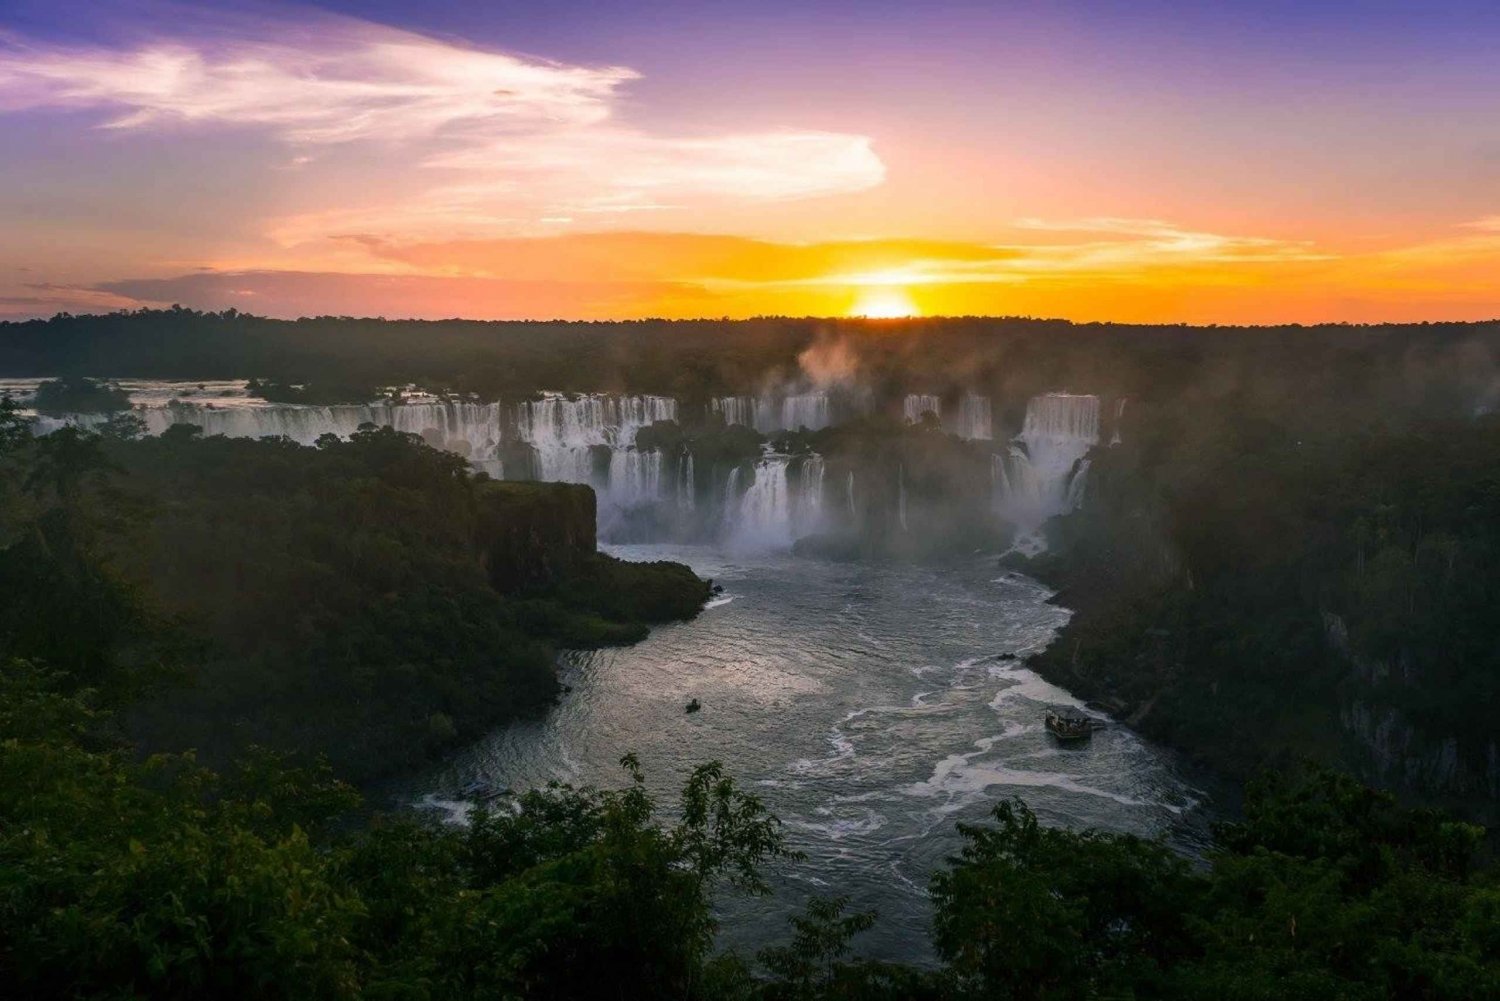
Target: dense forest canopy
{"points": [[369, 588], [1317, 372], [1289, 550], [368, 600]]}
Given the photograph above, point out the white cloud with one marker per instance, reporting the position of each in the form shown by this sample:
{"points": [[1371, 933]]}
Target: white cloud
{"points": [[480, 142], [364, 82], [1148, 242]]}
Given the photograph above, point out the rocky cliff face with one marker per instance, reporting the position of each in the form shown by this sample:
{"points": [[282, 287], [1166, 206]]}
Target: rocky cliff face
{"points": [[535, 534], [1396, 752]]}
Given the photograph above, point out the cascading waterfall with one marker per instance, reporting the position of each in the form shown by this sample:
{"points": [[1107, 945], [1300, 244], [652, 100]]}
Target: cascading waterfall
{"points": [[687, 490], [470, 429], [1119, 416], [634, 477], [849, 493], [564, 430], [809, 507], [974, 421], [784, 501], [1044, 473], [765, 510], [917, 404], [775, 413], [806, 410], [901, 497], [735, 409]]}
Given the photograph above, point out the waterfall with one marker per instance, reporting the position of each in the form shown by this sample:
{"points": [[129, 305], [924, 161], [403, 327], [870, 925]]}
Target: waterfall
{"points": [[808, 410], [564, 430], [974, 423], [1044, 472], [1075, 486], [766, 415], [735, 409], [472, 430], [634, 477], [916, 404], [687, 491], [764, 516], [849, 491], [1119, 416], [901, 497], [784, 501], [775, 413], [808, 510]]}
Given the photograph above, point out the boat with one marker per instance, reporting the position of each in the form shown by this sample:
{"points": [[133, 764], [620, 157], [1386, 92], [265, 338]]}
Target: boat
{"points": [[694, 706], [1069, 725]]}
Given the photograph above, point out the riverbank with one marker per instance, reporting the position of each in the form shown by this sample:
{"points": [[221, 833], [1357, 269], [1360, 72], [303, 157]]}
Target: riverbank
{"points": [[1316, 599]]}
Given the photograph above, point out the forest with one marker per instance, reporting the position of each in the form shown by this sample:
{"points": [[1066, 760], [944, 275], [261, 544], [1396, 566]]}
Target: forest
{"points": [[368, 600], [207, 645], [1294, 530], [1248, 595], [133, 869], [1304, 374]]}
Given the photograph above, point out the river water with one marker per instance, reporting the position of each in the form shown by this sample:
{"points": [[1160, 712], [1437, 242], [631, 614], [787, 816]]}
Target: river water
{"points": [[870, 706]]}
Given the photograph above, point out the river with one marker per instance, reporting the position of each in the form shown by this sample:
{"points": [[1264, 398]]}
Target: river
{"points": [[870, 706]]}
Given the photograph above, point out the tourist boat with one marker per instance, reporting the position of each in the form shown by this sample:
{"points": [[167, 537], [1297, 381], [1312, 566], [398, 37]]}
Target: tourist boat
{"points": [[694, 706], [1067, 724]]}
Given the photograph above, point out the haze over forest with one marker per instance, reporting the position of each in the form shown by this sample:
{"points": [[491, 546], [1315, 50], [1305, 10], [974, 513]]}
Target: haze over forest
{"points": [[771, 502]]}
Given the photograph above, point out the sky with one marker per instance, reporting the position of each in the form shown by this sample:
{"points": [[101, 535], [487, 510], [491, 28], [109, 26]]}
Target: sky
{"points": [[1144, 161]]}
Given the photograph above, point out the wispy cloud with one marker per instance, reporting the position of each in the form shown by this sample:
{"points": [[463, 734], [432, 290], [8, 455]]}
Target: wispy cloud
{"points": [[1489, 224], [367, 82], [1153, 242], [469, 140]]}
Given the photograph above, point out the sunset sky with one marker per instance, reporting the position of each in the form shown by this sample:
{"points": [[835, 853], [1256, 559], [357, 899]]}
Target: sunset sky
{"points": [[1136, 161]]}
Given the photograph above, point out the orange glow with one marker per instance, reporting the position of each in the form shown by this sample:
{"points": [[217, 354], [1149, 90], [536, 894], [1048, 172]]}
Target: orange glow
{"points": [[884, 304]]}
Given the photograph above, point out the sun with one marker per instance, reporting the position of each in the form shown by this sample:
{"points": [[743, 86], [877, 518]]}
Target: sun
{"points": [[884, 304]]}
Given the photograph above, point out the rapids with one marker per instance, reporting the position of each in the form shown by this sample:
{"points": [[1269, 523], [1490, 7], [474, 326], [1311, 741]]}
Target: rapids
{"points": [[870, 706]]}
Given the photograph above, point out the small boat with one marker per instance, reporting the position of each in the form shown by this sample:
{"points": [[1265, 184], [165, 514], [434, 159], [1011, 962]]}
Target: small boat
{"points": [[1068, 725], [694, 706]]}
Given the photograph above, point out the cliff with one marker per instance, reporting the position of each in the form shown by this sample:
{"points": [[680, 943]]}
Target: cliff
{"points": [[1250, 596], [534, 534]]}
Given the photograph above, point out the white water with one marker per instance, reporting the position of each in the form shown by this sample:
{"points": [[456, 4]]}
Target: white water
{"points": [[917, 404], [783, 502], [687, 491], [808, 410], [590, 439], [901, 497], [974, 420], [735, 409], [634, 477], [872, 706], [1044, 472], [568, 433], [767, 414]]}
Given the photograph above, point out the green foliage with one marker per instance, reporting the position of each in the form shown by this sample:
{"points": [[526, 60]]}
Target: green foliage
{"points": [[158, 878], [1242, 583], [129, 877], [1034, 912], [338, 600], [1326, 889], [77, 395]]}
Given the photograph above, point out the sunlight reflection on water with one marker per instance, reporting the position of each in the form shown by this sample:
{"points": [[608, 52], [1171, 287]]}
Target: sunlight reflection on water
{"points": [[868, 705]]}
